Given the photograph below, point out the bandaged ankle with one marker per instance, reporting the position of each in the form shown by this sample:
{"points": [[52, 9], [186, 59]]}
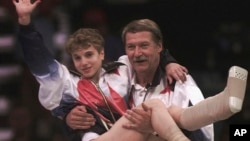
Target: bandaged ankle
{"points": [[220, 106], [236, 85]]}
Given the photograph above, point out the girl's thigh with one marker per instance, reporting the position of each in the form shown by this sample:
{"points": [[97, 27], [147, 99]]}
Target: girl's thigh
{"points": [[154, 138]]}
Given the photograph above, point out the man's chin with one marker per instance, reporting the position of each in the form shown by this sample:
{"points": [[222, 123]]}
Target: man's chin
{"points": [[140, 69]]}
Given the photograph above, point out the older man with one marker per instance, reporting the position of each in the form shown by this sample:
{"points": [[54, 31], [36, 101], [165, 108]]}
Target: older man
{"points": [[143, 45]]}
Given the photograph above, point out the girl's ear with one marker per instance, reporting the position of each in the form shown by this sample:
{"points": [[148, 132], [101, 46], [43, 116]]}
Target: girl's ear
{"points": [[102, 54]]}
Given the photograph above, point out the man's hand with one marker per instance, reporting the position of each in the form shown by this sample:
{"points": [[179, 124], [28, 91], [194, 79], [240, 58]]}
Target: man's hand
{"points": [[140, 119], [176, 71], [78, 118], [24, 8]]}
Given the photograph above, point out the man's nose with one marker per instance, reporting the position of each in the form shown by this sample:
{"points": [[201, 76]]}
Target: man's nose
{"points": [[138, 51]]}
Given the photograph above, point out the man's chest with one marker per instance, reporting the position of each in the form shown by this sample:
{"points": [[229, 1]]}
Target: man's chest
{"points": [[162, 92]]}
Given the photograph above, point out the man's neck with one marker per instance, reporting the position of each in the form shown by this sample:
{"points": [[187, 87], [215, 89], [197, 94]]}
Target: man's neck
{"points": [[144, 78], [143, 82]]}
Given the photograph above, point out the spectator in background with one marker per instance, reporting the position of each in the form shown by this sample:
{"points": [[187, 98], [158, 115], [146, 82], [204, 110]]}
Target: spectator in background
{"points": [[52, 21], [10, 69], [22, 124], [96, 17]]}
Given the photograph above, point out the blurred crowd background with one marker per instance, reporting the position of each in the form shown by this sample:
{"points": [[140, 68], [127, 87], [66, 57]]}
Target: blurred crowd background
{"points": [[205, 37]]}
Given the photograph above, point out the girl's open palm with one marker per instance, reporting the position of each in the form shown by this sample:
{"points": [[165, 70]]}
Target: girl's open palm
{"points": [[25, 7]]}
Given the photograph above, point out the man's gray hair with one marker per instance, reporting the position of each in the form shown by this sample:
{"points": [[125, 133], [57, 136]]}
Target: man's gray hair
{"points": [[143, 25]]}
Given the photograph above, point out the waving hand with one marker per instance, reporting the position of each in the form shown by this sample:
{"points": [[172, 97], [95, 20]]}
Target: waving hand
{"points": [[24, 8]]}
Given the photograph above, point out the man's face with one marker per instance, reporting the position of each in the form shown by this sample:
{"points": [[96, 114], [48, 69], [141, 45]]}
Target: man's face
{"points": [[142, 51], [88, 62]]}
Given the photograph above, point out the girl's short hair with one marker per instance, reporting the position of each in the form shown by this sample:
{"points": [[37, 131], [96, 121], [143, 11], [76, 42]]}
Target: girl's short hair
{"points": [[84, 38]]}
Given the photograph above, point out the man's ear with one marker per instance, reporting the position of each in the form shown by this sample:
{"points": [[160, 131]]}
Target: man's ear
{"points": [[160, 47]]}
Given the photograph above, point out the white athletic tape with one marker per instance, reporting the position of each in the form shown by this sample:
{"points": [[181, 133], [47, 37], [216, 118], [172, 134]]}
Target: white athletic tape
{"points": [[238, 72], [235, 104]]}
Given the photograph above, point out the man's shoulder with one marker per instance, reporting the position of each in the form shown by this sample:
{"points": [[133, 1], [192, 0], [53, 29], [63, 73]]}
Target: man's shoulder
{"points": [[110, 66]]}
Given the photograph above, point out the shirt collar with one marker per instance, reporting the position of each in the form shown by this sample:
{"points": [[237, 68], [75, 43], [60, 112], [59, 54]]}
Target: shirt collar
{"points": [[156, 80]]}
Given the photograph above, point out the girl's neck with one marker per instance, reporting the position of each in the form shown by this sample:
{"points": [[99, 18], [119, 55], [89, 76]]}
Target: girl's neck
{"points": [[96, 77]]}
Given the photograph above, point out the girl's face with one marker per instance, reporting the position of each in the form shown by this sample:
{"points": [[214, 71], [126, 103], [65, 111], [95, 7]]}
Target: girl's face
{"points": [[88, 61]]}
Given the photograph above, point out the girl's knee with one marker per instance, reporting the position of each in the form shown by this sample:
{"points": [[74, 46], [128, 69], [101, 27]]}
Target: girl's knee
{"points": [[154, 103]]}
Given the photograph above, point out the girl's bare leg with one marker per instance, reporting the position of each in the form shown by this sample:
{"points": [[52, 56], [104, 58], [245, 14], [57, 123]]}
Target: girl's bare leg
{"points": [[118, 133], [161, 122], [155, 138], [215, 108]]}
